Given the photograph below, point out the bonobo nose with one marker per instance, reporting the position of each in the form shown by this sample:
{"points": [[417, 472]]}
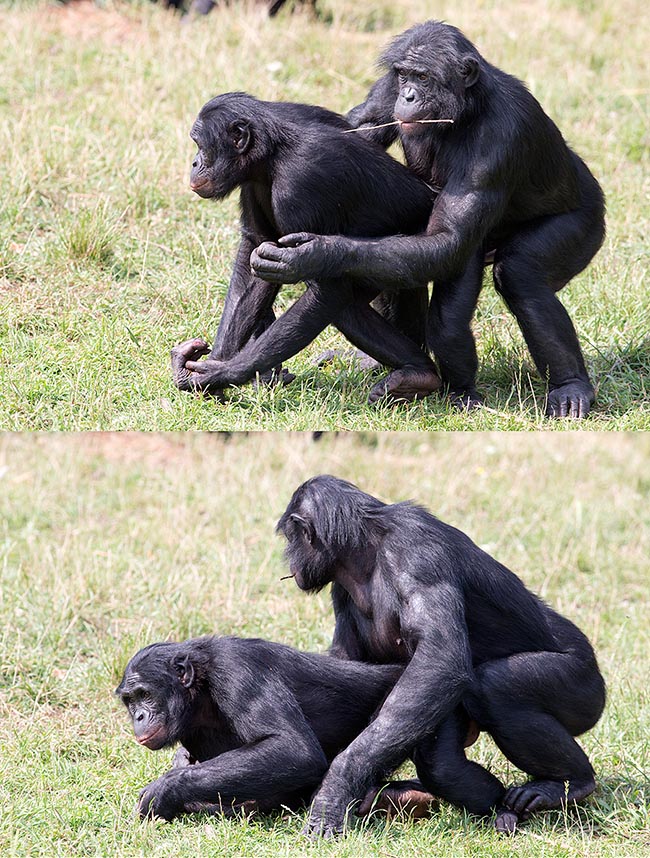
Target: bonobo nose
{"points": [[409, 95]]}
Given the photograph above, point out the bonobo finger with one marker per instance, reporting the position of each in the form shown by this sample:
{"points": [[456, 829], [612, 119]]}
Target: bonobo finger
{"points": [[296, 238], [274, 272], [193, 349], [366, 805], [202, 366], [506, 821], [268, 250]]}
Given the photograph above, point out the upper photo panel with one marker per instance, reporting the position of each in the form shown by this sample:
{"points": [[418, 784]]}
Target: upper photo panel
{"points": [[325, 215]]}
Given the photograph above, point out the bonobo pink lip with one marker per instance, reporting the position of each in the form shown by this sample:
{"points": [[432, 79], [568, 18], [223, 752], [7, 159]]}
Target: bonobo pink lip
{"points": [[148, 738], [196, 185]]}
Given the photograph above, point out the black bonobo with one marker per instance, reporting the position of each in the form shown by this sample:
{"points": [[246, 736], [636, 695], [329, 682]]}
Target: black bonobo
{"points": [[258, 722], [476, 643], [510, 189], [297, 169]]}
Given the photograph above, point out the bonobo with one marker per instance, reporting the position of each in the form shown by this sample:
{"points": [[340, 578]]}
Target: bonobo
{"points": [[476, 642], [257, 721], [298, 170], [509, 188]]}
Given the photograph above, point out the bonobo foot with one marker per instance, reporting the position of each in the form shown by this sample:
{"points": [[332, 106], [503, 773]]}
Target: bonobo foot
{"points": [[544, 795], [361, 359], [189, 350], [405, 385], [570, 400], [398, 797], [464, 400]]}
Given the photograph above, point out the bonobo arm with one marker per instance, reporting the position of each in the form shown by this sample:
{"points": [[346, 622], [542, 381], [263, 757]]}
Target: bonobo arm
{"points": [[248, 306], [459, 222], [430, 687], [377, 109], [281, 755]]}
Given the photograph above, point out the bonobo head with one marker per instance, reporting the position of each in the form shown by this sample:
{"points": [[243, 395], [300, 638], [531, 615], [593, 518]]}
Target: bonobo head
{"points": [[235, 136], [160, 688], [327, 521], [437, 71]]}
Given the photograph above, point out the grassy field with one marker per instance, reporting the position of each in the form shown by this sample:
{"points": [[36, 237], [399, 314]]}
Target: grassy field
{"points": [[107, 259], [109, 542]]}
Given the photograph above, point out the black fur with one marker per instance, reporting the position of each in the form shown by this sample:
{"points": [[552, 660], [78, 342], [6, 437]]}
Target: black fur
{"points": [[478, 644], [297, 170], [509, 188], [257, 721]]}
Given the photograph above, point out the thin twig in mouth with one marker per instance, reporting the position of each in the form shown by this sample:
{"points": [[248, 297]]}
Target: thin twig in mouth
{"points": [[284, 577], [399, 122]]}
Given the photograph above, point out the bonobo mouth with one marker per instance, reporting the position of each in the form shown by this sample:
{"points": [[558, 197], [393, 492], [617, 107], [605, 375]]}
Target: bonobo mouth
{"points": [[409, 124], [150, 741], [202, 188]]}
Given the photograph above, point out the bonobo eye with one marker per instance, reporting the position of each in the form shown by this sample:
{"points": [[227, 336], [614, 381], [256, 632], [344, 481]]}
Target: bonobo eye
{"points": [[422, 76]]}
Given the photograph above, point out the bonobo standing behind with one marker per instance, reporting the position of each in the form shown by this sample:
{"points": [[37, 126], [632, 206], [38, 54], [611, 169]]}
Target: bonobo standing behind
{"points": [[509, 186], [257, 721], [297, 169], [476, 642]]}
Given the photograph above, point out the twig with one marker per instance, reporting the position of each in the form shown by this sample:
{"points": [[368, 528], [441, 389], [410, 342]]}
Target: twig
{"points": [[398, 122]]}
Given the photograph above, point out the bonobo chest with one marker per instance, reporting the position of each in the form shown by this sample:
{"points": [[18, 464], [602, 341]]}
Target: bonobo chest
{"points": [[378, 625], [210, 740]]}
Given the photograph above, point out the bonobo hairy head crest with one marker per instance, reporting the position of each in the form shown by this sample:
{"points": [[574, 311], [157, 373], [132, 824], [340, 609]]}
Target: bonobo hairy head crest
{"points": [[159, 687], [438, 71], [327, 519]]}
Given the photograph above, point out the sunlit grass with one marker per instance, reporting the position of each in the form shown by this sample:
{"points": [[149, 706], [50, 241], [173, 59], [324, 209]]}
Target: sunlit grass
{"points": [[107, 259], [109, 542]]}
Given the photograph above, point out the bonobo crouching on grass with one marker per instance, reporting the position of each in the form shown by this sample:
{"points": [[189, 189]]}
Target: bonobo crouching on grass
{"points": [[298, 170], [257, 721], [477, 644], [509, 188]]}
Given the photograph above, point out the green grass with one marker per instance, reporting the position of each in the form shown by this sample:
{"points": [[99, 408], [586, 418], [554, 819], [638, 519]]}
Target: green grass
{"points": [[109, 542], [107, 259]]}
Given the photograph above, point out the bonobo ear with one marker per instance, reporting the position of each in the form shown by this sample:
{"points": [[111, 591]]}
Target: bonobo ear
{"points": [[185, 670], [305, 526], [470, 70], [241, 135]]}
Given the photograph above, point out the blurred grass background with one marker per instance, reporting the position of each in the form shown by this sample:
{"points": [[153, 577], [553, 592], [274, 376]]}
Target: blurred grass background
{"points": [[107, 259], [112, 541]]}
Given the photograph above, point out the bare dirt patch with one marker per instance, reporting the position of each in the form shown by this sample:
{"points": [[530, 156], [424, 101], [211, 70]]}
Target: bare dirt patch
{"points": [[82, 19]]}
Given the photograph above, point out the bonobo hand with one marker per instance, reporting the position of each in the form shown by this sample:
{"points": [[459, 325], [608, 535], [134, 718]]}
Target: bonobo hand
{"points": [[157, 800], [573, 399], [299, 256], [327, 817]]}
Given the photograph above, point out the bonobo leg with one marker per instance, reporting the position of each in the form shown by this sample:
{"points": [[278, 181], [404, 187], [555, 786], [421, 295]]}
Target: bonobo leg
{"points": [[533, 704], [446, 772], [415, 375], [332, 302], [406, 311], [409, 797], [528, 270], [449, 335], [247, 313]]}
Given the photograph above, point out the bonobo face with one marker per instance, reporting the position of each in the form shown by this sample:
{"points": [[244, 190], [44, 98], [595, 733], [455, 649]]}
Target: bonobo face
{"points": [[311, 563], [147, 713], [432, 85], [154, 689], [220, 165]]}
